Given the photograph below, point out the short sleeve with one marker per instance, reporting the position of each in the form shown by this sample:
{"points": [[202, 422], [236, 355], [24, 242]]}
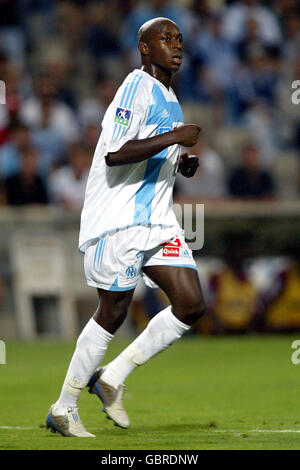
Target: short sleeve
{"points": [[126, 114]]}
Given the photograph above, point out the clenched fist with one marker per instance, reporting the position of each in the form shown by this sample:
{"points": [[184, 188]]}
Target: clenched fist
{"points": [[188, 165]]}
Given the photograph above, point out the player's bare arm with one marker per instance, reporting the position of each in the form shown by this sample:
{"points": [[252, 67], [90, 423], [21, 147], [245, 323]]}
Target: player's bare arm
{"points": [[136, 151]]}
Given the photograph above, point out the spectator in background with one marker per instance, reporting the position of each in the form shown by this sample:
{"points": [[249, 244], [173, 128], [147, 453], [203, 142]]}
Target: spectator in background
{"points": [[216, 53], [48, 140], [17, 85], [291, 45], [11, 34], [237, 15], [209, 180], [102, 33], [249, 180], [92, 109], [59, 116], [262, 123], [250, 40], [56, 65], [232, 296], [11, 152], [26, 186], [67, 184], [255, 81]]}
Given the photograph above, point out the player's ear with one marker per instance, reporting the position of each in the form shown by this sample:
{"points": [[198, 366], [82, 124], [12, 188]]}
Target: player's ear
{"points": [[144, 48]]}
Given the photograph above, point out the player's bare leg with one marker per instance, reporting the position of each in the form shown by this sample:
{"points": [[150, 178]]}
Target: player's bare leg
{"points": [[183, 288], [90, 349], [112, 309]]}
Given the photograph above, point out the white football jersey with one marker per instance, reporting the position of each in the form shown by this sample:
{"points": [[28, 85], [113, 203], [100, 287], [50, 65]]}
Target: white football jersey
{"points": [[138, 193]]}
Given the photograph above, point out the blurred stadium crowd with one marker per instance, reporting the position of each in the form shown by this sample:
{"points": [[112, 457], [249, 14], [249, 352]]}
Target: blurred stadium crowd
{"points": [[62, 62]]}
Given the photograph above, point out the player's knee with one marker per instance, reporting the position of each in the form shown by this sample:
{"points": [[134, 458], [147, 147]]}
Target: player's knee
{"points": [[111, 315], [193, 310], [116, 313], [119, 312]]}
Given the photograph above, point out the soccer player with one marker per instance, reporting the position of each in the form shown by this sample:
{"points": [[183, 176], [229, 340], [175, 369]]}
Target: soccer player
{"points": [[128, 228]]}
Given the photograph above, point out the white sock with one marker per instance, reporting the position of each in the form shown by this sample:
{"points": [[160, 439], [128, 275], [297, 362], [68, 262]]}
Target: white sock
{"points": [[90, 350], [161, 332]]}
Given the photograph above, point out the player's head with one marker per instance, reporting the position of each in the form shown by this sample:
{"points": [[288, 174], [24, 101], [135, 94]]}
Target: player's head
{"points": [[160, 44]]}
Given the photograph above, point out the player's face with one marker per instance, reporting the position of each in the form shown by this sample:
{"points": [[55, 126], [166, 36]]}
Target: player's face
{"points": [[166, 47]]}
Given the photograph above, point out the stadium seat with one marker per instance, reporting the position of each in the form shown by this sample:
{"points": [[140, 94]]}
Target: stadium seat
{"points": [[200, 114], [228, 142], [40, 269]]}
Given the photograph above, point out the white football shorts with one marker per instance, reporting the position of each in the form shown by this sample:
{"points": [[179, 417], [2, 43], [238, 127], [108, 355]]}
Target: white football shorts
{"points": [[114, 262]]}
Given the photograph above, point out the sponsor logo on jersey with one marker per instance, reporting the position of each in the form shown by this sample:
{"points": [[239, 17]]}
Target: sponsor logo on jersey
{"points": [[131, 272], [122, 116], [172, 248]]}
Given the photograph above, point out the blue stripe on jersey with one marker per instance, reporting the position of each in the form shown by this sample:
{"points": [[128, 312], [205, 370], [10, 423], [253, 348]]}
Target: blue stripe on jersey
{"points": [[104, 241], [132, 90], [124, 92], [117, 126], [100, 251], [146, 192], [121, 103], [126, 102], [96, 252], [133, 93], [160, 105], [119, 130]]}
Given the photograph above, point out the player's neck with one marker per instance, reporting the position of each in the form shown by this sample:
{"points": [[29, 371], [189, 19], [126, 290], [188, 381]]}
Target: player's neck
{"points": [[160, 74]]}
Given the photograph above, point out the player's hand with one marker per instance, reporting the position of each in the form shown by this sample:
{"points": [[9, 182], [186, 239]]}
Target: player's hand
{"points": [[188, 165], [188, 135]]}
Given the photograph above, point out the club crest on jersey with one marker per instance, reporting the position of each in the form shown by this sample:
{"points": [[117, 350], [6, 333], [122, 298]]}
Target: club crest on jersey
{"points": [[122, 116], [131, 272], [172, 248]]}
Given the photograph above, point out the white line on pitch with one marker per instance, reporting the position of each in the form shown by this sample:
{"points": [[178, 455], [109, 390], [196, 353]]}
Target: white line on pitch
{"points": [[22, 428], [254, 430], [215, 431]]}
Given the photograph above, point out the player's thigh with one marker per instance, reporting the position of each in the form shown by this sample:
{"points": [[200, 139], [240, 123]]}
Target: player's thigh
{"points": [[114, 300], [112, 309], [182, 286]]}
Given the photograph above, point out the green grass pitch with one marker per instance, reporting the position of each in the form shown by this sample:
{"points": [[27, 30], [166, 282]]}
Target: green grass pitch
{"points": [[202, 393]]}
